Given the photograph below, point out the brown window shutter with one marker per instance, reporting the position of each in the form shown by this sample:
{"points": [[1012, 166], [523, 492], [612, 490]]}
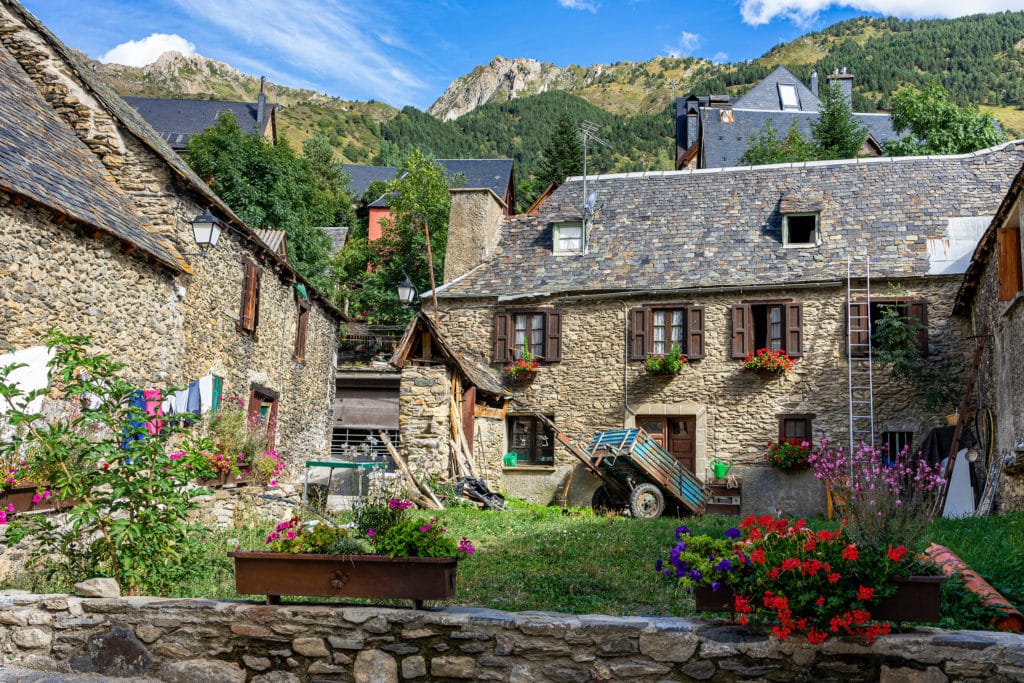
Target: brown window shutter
{"points": [[272, 424], [794, 330], [859, 330], [742, 331], [245, 315], [1010, 277], [917, 311], [300, 331], [553, 337], [257, 276], [501, 337], [637, 334], [695, 332]]}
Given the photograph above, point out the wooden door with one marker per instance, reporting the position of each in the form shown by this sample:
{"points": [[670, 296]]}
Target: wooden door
{"points": [[675, 433]]}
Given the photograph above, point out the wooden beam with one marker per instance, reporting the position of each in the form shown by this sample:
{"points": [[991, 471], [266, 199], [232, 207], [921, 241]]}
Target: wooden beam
{"points": [[484, 411]]}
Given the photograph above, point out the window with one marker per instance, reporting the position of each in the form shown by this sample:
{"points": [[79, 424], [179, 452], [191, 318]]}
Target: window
{"points": [[540, 331], [769, 325], [654, 329], [1008, 248], [787, 96], [796, 427], [531, 440], [301, 323], [916, 312], [262, 411], [801, 230], [895, 442], [567, 238], [249, 316]]}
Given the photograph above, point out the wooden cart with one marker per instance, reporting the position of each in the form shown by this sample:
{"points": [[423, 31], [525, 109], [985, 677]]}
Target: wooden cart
{"points": [[636, 472]]}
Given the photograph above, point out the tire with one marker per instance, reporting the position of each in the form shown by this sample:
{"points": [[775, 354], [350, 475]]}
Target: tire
{"points": [[601, 503], [647, 502]]}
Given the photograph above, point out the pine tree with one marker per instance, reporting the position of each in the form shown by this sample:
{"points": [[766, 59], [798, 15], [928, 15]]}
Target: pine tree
{"points": [[765, 146], [836, 134], [563, 157]]}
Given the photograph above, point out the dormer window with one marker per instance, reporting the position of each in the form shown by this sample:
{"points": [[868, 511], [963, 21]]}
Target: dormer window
{"points": [[801, 230], [567, 238], [788, 97]]}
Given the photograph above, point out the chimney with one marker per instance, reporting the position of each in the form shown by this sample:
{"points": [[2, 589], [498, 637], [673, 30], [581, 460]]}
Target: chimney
{"points": [[814, 82], [844, 81], [261, 106], [475, 222]]}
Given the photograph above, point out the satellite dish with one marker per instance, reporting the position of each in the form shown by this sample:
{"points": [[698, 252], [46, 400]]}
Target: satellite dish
{"points": [[588, 204]]}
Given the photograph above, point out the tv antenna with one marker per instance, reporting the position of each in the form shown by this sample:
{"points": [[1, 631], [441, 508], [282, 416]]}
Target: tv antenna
{"points": [[589, 131]]}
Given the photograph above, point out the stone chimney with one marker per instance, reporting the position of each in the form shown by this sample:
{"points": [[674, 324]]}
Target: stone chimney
{"points": [[814, 82], [844, 81], [475, 222], [261, 106]]}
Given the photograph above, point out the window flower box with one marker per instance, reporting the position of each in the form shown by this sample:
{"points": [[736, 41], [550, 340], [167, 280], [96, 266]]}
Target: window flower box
{"points": [[350, 576], [767, 363], [666, 365]]}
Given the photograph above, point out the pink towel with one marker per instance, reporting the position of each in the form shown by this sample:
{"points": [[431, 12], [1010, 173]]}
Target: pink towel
{"points": [[154, 407]]}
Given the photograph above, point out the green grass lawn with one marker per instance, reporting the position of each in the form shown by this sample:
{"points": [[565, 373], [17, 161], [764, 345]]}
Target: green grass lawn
{"points": [[536, 558]]}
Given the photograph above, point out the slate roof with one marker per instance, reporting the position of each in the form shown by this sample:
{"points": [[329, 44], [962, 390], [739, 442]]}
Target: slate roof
{"points": [[765, 95], [43, 160], [712, 228], [726, 140], [134, 124], [493, 174], [177, 120]]}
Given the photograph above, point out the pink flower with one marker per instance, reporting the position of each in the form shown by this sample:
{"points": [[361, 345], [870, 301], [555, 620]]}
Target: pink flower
{"points": [[10, 508], [465, 546], [290, 534], [176, 456], [46, 495], [37, 498], [370, 533]]}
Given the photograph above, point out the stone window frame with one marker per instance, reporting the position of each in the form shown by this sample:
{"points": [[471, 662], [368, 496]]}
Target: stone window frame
{"points": [[503, 335], [788, 420], [534, 457], [814, 234], [557, 238], [745, 320], [641, 329], [249, 311]]}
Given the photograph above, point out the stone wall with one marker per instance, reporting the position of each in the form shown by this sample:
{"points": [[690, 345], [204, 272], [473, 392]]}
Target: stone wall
{"points": [[474, 228], [169, 331], [737, 414], [203, 640], [424, 419]]}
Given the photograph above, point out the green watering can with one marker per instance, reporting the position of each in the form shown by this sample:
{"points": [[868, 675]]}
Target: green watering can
{"points": [[720, 468]]}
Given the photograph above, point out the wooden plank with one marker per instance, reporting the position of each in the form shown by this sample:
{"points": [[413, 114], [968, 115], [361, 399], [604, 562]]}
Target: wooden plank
{"points": [[484, 411]]}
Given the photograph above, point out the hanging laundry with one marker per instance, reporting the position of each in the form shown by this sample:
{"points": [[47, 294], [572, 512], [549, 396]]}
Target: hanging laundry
{"points": [[193, 403], [168, 405], [181, 401], [206, 393], [218, 391], [35, 374], [135, 429], [154, 408]]}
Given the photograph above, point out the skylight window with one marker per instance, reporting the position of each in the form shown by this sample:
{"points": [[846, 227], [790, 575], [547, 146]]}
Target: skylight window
{"points": [[787, 96]]}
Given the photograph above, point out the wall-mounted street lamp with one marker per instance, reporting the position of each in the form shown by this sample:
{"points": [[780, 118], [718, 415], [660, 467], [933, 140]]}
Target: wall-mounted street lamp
{"points": [[206, 229], [406, 292]]}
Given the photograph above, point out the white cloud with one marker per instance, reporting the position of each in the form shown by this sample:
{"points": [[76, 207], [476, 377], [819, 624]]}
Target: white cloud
{"points": [[147, 50], [688, 42], [804, 12], [333, 40], [579, 4], [720, 58]]}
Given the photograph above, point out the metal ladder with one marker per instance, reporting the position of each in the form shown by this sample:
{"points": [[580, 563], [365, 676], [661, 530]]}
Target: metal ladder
{"points": [[859, 368]]}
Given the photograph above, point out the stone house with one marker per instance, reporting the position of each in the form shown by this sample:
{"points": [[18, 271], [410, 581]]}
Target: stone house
{"points": [[990, 298], [96, 238], [721, 262], [713, 131]]}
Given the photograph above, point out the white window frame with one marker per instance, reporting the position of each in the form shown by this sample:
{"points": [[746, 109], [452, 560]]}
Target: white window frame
{"points": [[816, 242], [556, 237], [788, 91]]}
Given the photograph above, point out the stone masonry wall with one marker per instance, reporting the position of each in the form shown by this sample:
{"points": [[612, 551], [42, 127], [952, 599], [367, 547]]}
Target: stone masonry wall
{"points": [[737, 414], [1000, 383], [474, 228], [424, 419], [204, 640], [186, 328]]}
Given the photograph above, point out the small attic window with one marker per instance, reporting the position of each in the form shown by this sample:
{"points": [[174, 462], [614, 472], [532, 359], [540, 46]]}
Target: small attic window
{"points": [[801, 230], [787, 96], [567, 238]]}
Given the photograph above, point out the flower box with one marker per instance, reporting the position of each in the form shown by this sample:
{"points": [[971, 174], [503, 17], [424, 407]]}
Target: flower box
{"points": [[917, 599], [522, 377], [350, 576], [225, 479], [21, 497]]}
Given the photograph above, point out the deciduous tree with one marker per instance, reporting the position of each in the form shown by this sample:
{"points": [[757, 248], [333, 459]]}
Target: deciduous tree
{"points": [[932, 124]]}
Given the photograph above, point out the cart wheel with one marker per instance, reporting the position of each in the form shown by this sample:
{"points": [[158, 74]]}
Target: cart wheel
{"points": [[601, 503], [647, 502]]}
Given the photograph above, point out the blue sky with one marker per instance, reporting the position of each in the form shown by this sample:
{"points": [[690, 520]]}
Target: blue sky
{"points": [[406, 52]]}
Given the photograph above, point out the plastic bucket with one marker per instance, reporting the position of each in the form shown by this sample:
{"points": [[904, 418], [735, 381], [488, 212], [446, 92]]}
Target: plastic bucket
{"points": [[511, 459]]}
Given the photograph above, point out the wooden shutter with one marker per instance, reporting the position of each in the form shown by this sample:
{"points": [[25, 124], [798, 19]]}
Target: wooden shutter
{"points": [[1010, 278], [742, 331], [300, 331], [794, 330], [246, 316], [858, 319], [553, 337], [272, 424], [256, 277], [638, 334], [917, 311], [695, 332], [500, 337]]}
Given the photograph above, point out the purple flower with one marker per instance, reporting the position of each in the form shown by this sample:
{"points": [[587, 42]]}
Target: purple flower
{"points": [[724, 566], [682, 530], [696, 575], [370, 533], [657, 566], [715, 585], [465, 546], [732, 533]]}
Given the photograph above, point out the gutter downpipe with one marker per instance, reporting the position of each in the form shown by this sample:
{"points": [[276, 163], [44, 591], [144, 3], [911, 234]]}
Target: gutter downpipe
{"points": [[625, 364]]}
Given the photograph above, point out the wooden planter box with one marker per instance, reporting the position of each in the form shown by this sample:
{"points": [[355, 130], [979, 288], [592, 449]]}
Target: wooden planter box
{"points": [[350, 576], [224, 479], [917, 598], [20, 496]]}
